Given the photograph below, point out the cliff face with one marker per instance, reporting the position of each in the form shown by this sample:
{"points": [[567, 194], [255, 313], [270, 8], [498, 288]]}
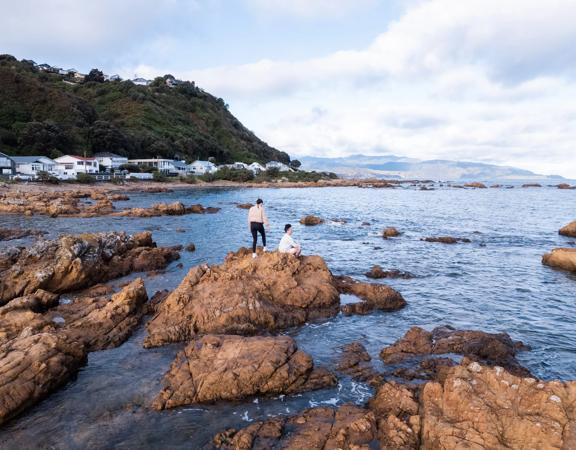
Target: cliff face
{"points": [[42, 114]]}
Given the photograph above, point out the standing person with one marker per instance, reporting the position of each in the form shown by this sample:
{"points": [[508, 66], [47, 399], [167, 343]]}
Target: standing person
{"points": [[287, 244], [257, 219]]}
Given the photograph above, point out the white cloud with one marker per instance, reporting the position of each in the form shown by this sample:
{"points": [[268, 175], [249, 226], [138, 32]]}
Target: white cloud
{"points": [[308, 8]]}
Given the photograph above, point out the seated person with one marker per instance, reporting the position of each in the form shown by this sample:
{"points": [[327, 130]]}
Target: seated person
{"points": [[287, 244]]}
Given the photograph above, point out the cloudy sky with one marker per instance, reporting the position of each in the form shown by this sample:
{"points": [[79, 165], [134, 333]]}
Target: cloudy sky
{"points": [[477, 80]]}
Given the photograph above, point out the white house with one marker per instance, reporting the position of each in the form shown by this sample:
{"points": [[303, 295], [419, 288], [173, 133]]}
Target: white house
{"points": [[69, 166], [199, 167], [165, 166], [110, 160], [181, 167], [7, 164], [141, 81], [236, 165], [277, 165], [256, 167], [31, 165]]}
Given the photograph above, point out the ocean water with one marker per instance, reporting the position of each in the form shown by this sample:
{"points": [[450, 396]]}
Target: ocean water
{"points": [[496, 283]]}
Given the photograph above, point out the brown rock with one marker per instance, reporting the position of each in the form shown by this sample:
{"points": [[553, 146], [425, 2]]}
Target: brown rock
{"points": [[348, 428], [244, 205], [565, 186], [428, 369], [376, 272], [244, 296], [568, 230], [311, 220], [531, 185], [356, 362], [7, 234], [561, 258], [190, 248], [229, 367], [475, 184], [482, 407], [374, 296], [390, 232], [487, 348], [446, 239], [157, 298], [76, 262]]}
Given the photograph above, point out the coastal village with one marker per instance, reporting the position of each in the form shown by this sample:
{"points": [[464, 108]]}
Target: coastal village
{"points": [[105, 166]]}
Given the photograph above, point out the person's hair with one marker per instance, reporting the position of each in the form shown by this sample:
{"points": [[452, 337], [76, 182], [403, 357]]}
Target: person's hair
{"points": [[259, 201], [287, 227]]}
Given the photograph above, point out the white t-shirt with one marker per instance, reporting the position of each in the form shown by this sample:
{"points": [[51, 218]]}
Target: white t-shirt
{"points": [[286, 243]]}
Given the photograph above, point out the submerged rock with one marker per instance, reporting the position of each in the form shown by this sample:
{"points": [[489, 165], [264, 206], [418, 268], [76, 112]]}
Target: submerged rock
{"points": [[376, 272], [373, 296], [311, 220], [531, 185], [245, 296], [568, 230], [390, 232], [77, 262], [355, 361], [565, 186], [229, 367], [8, 234], [561, 258], [475, 184], [487, 348], [348, 428], [446, 239], [244, 205], [483, 407]]}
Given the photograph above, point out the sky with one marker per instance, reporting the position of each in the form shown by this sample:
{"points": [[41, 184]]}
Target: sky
{"points": [[489, 81]]}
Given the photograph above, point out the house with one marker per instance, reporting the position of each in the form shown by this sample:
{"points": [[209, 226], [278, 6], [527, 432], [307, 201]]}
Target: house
{"points": [[237, 165], [114, 78], [45, 67], [278, 165], [256, 168], [31, 165], [181, 167], [110, 160], [79, 77], [141, 81], [165, 166], [69, 166], [201, 167], [7, 165]]}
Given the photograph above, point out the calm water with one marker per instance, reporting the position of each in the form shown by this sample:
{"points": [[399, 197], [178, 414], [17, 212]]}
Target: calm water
{"points": [[497, 283]]}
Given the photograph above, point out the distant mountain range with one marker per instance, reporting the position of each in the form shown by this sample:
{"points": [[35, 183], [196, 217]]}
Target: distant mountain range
{"points": [[396, 167]]}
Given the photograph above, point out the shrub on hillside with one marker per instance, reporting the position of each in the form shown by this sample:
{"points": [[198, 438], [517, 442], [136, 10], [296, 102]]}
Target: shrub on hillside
{"points": [[241, 175], [84, 178]]}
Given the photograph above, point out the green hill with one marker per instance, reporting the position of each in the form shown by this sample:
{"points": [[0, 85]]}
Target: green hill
{"points": [[41, 113]]}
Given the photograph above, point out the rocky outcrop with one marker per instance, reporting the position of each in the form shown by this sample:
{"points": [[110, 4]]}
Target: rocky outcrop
{"points": [[8, 234], [531, 185], [244, 205], [475, 184], [446, 239], [76, 262], [229, 367], [390, 232], [373, 296], [32, 366], [487, 348], [348, 428], [166, 209], [244, 296], [483, 407], [568, 230], [311, 220], [356, 362], [565, 186], [561, 258], [190, 247], [377, 272]]}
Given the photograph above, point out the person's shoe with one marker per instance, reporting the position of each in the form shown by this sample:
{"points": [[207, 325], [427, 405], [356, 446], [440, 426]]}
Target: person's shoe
{"points": [[253, 255], [264, 250]]}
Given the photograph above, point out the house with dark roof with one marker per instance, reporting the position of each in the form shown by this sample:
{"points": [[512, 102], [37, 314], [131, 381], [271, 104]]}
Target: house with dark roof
{"points": [[31, 165], [110, 160], [7, 165]]}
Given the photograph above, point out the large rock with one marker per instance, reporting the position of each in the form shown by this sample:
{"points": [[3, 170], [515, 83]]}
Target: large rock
{"points": [[355, 361], [165, 209], [390, 232], [7, 234], [561, 258], [377, 272], [32, 366], [446, 240], [244, 296], [492, 349], [568, 230], [488, 408], [347, 428], [475, 184], [311, 220], [373, 296], [229, 367], [76, 262]]}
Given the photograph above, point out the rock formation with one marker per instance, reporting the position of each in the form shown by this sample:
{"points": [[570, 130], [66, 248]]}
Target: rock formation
{"points": [[165, 209], [356, 362], [568, 230], [244, 205], [561, 258], [226, 367], [446, 239], [565, 186], [390, 232], [244, 296], [373, 296], [311, 220], [475, 184], [7, 234], [76, 262], [377, 272], [348, 428], [487, 348]]}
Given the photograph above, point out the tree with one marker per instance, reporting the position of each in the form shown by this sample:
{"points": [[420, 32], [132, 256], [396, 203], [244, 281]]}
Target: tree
{"points": [[95, 75], [295, 164]]}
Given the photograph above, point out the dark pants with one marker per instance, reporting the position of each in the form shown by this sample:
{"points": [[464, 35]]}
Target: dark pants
{"points": [[255, 228]]}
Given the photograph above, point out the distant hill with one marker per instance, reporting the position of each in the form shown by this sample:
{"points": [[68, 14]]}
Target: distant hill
{"points": [[395, 167], [42, 113]]}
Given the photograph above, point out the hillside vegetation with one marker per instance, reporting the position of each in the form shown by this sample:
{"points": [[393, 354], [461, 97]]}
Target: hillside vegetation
{"points": [[40, 114]]}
